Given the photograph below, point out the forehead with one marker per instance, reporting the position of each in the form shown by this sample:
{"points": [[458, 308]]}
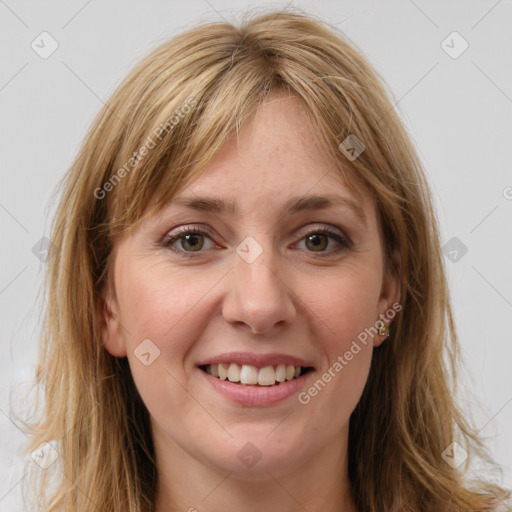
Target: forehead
{"points": [[275, 156], [276, 141]]}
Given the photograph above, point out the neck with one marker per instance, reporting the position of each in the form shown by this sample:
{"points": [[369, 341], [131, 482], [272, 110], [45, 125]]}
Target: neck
{"points": [[188, 484]]}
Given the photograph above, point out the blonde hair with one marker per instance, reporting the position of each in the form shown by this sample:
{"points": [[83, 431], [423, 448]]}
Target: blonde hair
{"points": [[182, 103]]}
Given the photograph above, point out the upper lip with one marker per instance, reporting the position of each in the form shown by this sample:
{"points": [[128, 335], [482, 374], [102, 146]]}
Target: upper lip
{"points": [[259, 360]]}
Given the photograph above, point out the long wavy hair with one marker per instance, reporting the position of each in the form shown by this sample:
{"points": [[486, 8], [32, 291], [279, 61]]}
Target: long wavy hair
{"points": [[159, 129]]}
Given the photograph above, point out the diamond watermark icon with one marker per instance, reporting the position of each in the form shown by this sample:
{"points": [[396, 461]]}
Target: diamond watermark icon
{"points": [[44, 45], [42, 248], [249, 455], [249, 250], [455, 249], [455, 455], [146, 352], [352, 147], [45, 455], [454, 45]]}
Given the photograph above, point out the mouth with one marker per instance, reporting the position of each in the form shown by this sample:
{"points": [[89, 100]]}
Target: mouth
{"points": [[253, 376]]}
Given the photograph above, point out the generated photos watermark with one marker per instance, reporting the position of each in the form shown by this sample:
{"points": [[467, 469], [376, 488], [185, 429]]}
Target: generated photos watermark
{"points": [[145, 148], [343, 360]]}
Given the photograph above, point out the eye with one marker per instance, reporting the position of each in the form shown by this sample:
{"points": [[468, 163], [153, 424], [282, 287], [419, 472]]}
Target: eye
{"points": [[317, 240], [192, 239]]}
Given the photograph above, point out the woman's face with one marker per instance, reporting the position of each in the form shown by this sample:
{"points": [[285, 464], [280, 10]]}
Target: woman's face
{"points": [[257, 290]]}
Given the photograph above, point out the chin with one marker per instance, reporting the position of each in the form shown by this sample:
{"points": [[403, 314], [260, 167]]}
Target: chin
{"points": [[253, 455]]}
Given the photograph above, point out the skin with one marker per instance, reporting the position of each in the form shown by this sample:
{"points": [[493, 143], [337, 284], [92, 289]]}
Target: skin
{"points": [[295, 298]]}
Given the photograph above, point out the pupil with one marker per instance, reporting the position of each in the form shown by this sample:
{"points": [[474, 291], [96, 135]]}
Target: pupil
{"points": [[192, 238], [318, 242]]}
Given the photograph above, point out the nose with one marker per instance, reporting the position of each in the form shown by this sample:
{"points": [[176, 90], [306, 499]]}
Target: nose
{"points": [[259, 298]]}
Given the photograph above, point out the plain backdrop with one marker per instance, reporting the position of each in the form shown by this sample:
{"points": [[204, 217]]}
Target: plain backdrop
{"points": [[457, 106]]}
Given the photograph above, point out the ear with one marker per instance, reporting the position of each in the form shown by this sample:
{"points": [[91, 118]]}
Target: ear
{"points": [[111, 329], [390, 296]]}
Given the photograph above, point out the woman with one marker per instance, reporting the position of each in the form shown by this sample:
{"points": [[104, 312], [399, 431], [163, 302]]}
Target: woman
{"points": [[247, 306]]}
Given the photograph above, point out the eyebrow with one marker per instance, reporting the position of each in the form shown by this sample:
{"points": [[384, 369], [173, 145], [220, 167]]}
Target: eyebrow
{"points": [[294, 205]]}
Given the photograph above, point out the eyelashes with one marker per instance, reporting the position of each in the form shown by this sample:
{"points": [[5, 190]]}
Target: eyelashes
{"points": [[186, 233], [194, 236]]}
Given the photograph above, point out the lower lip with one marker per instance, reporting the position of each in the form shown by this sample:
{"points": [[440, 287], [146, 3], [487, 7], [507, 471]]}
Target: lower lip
{"points": [[256, 396]]}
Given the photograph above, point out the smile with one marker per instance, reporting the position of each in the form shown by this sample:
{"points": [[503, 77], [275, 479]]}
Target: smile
{"points": [[249, 375]]}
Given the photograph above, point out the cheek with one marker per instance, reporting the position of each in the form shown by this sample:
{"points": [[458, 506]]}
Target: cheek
{"points": [[161, 312], [345, 305], [344, 311], [161, 304]]}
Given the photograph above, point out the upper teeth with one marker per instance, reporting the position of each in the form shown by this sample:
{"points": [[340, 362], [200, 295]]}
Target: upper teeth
{"points": [[248, 374]]}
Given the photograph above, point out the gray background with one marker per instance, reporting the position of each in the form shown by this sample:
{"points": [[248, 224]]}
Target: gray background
{"points": [[458, 111]]}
